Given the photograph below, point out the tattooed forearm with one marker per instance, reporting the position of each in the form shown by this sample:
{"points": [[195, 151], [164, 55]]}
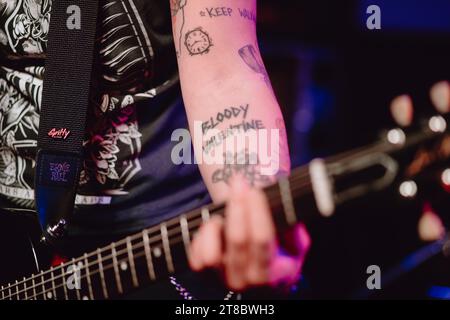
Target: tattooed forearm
{"points": [[250, 57], [242, 163], [198, 42]]}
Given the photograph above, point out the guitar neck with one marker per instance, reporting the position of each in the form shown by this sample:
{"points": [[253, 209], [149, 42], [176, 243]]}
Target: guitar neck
{"points": [[312, 190], [145, 257]]}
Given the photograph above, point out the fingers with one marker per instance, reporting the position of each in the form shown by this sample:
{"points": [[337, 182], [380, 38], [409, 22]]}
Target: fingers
{"points": [[244, 244], [440, 96], [262, 238], [206, 247], [402, 110], [236, 235]]}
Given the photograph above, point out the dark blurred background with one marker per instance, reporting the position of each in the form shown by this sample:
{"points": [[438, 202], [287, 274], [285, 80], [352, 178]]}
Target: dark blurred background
{"points": [[335, 79]]}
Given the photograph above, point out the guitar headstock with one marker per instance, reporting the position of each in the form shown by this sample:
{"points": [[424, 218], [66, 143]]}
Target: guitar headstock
{"points": [[409, 161]]}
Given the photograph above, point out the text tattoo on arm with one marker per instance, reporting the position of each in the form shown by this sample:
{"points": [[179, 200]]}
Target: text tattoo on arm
{"points": [[217, 12], [239, 124]]}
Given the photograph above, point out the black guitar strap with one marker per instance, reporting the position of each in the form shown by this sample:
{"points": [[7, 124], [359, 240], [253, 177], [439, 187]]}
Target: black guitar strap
{"points": [[65, 100]]}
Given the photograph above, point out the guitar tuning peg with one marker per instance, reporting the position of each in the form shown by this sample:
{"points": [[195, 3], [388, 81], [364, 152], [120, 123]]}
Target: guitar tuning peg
{"points": [[437, 124], [430, 226], [402, 110], [445, 178], [440, 96], [408, 189], [396, 137]]}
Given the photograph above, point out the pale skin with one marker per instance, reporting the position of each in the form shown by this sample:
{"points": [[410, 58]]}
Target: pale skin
{"points": [[220, 67]]}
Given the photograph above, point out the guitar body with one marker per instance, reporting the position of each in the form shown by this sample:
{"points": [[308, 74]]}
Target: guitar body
{"points": [[19, 244]]}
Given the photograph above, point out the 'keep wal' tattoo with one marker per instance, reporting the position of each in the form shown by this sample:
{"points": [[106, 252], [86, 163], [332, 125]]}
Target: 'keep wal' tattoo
{"points": [[227, 114], [216, 12]]}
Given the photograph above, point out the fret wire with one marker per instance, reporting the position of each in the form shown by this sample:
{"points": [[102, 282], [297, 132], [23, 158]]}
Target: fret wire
{"points": [[53, 283], [166, 247], [9, 291], [75, 266], [287, 201], [132, 265], [64, 284], [206, 215], [148, 255], [25, 288], [116, 269], [17, 290], [34, 287], [43, 286], [3, 293], [185, 233], [102, 274], [88, 277]]}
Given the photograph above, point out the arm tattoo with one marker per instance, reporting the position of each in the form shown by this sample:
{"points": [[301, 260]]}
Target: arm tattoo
{"points": [[198, 42], [242, 163], [250, 57], [214, 12], [236, 123], [217, 12], [177, 7]]}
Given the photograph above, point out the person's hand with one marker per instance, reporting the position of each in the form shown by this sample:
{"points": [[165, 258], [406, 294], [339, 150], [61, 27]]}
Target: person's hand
{"points": [[244, 244]]}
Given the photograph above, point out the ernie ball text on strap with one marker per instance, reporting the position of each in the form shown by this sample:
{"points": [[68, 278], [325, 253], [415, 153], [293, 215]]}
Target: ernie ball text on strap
{"points": [[65, 100]]}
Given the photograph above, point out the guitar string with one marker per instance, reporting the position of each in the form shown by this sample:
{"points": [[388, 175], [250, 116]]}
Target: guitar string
{"points": [[298, 175], [362, 151], [106, 267], [154, 229], [124, 251], [173, 232], [119, 254], [378, 147]]}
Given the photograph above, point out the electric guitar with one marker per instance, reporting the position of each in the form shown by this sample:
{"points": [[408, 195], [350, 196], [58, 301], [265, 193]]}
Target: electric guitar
{"points": [[401, 161]]}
